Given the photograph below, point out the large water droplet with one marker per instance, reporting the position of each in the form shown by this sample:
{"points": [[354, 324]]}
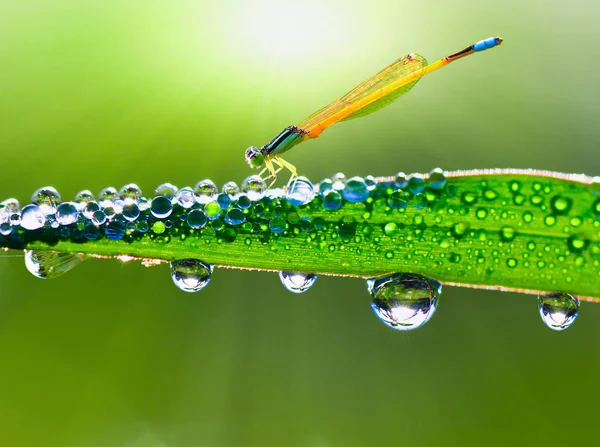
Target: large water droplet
{"points": [[231, 189], [108, 195], [191, 275], [50, 264], [332, 200], [161, 207], [404, 301], [254, 186], [206, 191], [558, 310], [32, 217], [300, 191], [46, 198], [297, 282]]}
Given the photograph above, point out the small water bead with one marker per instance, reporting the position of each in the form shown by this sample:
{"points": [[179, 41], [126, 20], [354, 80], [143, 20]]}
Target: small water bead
{"points": [[416, 184], [550, 220], [400, 180], [507, 233], [398, 199], [89, 209], [355, 190], [370, 182], [12, 204], [196, 219], [167, 190], [115, 229], [468, 198], [32, 217], [66, 213], [98, 218], [159, 227], [419, 201], [130, 192], [327, 185], [47, 198], [332, 200], [277, 225], [254, 186], [338, 178], [50, 264], [206, 191], [297, 282], [161, 207], [212, 210], [577, 243], [390, 229], [231, 189], [404, 301], [243, 201], [235, 216], [300, 191], [185, 197], [436, 179], [224, 200], [83, 197], [144, 204], [191, 275], [558, 310], [131, 211], [108, 195]]}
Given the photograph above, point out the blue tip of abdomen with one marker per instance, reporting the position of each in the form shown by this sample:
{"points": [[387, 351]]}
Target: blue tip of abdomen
{"points": [[490, 42]]}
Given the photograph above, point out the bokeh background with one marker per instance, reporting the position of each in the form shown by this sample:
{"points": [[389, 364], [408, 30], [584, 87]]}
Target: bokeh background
{"points": [[101, 93]]}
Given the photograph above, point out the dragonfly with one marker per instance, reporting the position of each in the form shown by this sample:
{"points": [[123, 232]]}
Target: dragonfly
{"points": [[371, 95]]}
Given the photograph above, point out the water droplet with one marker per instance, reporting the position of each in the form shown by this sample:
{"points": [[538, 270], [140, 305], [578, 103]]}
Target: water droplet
{"points": [[254, 186], [404, 301], [338, 180], [206, 191], [561, 205], [327, 185], [355, 190], [297, 282], [47, 198], [416, 184], [419, 201], [144, 204], [370, 182], [235, 216], [332, 200], [577, 243], [32, 217], [196, 219], [12, 204], [108, 194], [459, 229], [115, 229], [50, 264], [231, 189], [191, 275], [167, 190], [398, 199], [5, 213], [159, 227], [98, 218], [212, 210], [390, 229], [161, 207], [400, 180], [131, 211], [558, 310], [550, 220], [277, 225], [83, 197], [185, 197], [130, 192], [66, 213], [300, 191], [507, 233], [436, 179]]}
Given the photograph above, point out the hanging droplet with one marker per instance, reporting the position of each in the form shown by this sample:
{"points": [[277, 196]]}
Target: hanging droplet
{"points": [[32, 217], [300, 191], [404, 301], [47, 198], [50, 264], [254, 186], [206, 191], [191, 275], [297, 282], [558, 310]]}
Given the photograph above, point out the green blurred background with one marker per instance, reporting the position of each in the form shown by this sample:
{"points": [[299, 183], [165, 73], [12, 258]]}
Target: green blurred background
{"points": [[96, 93]]}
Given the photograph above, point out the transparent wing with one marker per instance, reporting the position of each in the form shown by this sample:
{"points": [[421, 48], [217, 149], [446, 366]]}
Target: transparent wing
{"points": [[375, 92]]}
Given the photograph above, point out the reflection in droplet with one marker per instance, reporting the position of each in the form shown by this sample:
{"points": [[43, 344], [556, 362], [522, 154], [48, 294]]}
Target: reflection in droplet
{"points": [[404, 301], [558, 310], [50, 264], [191, 275], [46, 198], [300, 191], [297, 282], [254, 187]]}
